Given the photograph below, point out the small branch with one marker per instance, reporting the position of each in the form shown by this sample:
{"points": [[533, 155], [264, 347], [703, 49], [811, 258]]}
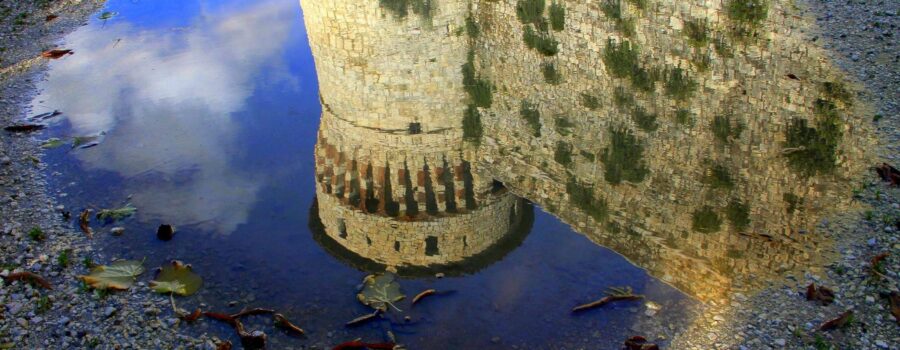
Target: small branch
{"points": [[423, 294]]}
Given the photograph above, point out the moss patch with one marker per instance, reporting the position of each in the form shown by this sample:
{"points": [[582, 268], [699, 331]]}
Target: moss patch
{"points": [[725, 128], [697, 32], [589, 101], [705, 220], [679, 85], [644, 120], [472, 128], [541, 42], [623, 159], [480, 90], [563, 126], [813, 150], [551, 74], [532, 116], [719, 177], [401, 8], [557, 16], [738, 214], [563, 153], [582, 197], [530, 11]]}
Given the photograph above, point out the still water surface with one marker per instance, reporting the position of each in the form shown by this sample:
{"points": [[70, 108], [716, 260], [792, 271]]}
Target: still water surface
{"points": [[208, 116]]}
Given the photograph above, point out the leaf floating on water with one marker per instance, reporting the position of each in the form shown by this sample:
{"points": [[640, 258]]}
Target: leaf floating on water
{"points": [[56, 54], [614, 294], [177, 278], [357, 344], [363, 318], [25, 128], [107, 15], [118, 275], [85, 223], [820, 293], [52, 143], [116, 214], [423, 294], [838, 322], [28, 277], [639, 343], [165, 232], [82, 142], [380, 291], [283, 322]]}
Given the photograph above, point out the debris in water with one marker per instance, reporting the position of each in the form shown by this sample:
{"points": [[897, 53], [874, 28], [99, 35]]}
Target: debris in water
{"points": [[424, 293], [55, 54], [192, 316], [45, 116], [165, 232], [614, 294], [838, 322], [363, 318], [359, 345], [639, 343], [25, 128], [283, 322], [116, 214], [177, 278]]}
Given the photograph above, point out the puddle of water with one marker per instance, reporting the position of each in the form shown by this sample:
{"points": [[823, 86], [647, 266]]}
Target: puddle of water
{"points": [[209, 117]]}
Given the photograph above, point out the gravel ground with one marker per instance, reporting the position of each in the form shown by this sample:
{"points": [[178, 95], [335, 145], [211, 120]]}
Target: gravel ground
{"points": [[860, 35]]}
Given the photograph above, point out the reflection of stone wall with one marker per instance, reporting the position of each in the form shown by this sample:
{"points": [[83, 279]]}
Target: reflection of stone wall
{"points": [[437, 241], [377, 76], [382, 72]]}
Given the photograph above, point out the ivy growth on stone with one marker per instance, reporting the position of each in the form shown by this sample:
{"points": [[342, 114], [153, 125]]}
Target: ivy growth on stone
{"points": [[738, 214], [623, 158], [582, 197], [705, 220], [532, 116]]}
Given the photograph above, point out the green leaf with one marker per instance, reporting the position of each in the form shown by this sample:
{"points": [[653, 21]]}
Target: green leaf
{"points": [[107, 15], [118, 275], [52, 143], [116, 214], [380, 291], [176, 278]]}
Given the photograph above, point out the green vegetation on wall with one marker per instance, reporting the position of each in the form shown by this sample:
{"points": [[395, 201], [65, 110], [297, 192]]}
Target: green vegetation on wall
{"points": [[623, 159], [644, 120], [719, 177], [542, 42], [697, 32], [551, 75], [582, 197], [679, 85], [684, 117], [705, 220], [472, 128], [751, 12], [613, 9], [401, 8], [813, 150], [532, 116], [738, 214], [590, 101], [725, 129], [622, 99], [480, 90], [472, 28], [622, 60], [563, 153], [557, 16], [563, 126], [530, 11]]}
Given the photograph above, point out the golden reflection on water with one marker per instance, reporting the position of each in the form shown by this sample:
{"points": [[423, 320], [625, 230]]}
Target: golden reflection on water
{"points": [[703, 147]]}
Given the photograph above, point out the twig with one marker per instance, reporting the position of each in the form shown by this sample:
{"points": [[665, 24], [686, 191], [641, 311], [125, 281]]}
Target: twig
{"points": [[423, 294], [363, 318], [251, 312], [28, 277], [283, 322]]}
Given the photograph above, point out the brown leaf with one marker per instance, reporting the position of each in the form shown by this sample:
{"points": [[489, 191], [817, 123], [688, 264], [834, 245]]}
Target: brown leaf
{"points": [[895, 306], [51, 17], [283, 322], [192, 316], [225, 345], [424, 293], [84, 221], [250, 340], [820, 293], [889, 174], [221, 317], [838, 322], [878, 259], [55, 54], [792, 76], [28, 277], [24, 128], [363, 318]]}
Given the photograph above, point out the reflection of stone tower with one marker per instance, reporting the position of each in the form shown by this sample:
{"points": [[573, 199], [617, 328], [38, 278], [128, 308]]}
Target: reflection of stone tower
{"points": [[394, 183]]}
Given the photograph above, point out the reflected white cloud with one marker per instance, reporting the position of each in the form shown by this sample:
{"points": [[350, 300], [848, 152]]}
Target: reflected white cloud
{"points": [[166, 99]]}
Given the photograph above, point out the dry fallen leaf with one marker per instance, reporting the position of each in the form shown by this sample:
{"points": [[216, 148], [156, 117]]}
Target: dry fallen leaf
{"points": [[838, 322], [55, 54], [895, 306], [85, 224], [27, 277], [118, 275]]}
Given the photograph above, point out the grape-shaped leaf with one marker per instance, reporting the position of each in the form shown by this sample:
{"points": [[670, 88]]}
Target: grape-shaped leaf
{"points": [[380, 291], [176, 278], [118, 275]]}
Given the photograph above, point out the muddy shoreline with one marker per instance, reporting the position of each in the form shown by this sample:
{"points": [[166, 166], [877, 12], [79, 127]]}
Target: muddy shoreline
{"points": [[778, 317]]}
